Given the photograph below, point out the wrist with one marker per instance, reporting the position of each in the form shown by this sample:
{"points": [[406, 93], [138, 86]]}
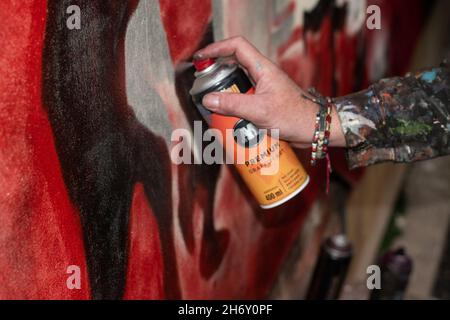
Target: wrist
{"points": [[337, 137], [305, 122]]}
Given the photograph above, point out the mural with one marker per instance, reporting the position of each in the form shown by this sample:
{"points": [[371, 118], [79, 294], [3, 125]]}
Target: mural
{"points": [[85, 123]]}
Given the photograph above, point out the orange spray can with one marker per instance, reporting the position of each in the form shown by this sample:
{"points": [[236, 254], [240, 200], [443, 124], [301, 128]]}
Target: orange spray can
{"points": [[268, 166]]}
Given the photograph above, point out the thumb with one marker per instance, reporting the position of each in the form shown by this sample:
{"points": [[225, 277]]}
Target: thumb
{"points": [[233, 104]]}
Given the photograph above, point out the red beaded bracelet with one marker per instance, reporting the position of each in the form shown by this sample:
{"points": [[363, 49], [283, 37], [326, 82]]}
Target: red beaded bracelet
{"points": [[322, 130], [321, 136]]}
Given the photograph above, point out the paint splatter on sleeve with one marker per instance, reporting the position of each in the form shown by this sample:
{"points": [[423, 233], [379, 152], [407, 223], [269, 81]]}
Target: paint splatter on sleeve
{"points": [[398, 119]]}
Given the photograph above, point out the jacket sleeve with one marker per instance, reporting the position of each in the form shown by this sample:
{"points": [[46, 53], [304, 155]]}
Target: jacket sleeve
{"points": [[398, 119]]}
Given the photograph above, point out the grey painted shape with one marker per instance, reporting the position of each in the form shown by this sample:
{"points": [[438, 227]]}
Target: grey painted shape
{"points": [[282, 34], [147, 64], [218, 19], [255, 26]]}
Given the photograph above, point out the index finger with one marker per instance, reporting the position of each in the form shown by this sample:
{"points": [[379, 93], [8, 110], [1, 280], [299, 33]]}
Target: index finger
{"points": [[246, 54]]}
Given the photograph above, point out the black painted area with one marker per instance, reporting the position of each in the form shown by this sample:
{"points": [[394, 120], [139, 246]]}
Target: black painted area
{"points": [[198, 183], [103, 150], [315, 17]]}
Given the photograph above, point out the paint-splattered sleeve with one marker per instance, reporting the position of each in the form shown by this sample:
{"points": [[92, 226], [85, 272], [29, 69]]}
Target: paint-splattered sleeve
{"points": [[398, 119]]}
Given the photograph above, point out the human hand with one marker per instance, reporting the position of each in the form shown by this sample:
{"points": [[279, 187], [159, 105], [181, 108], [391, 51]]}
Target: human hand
{"points": [[278, 103]]}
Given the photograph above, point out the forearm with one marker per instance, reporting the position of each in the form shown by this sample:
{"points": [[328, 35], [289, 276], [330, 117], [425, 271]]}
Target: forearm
{"points": [[398, 119]]}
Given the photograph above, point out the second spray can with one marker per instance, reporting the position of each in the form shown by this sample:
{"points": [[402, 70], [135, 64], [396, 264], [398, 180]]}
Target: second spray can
{"points": [[270, 190]]}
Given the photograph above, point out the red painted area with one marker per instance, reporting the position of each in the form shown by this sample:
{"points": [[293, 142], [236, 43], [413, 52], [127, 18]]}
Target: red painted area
{"points": [[40, 233], [259, 240], [401, 25], [312, 61], [346, 54], [145, 265], [185, 23]]}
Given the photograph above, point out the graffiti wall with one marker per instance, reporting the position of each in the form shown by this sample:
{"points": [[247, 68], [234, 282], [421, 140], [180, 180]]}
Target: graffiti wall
{"points": [[86, 117]]}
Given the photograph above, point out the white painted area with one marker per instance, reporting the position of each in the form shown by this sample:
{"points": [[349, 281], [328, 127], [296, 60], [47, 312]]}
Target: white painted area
{"points": [[302, 6], [236, 21], [147, 66], [352, 121], [356, 15], [296, 49]]}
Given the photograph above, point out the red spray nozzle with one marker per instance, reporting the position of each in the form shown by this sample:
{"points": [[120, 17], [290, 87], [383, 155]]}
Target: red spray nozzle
{"points": [[202, 64]]}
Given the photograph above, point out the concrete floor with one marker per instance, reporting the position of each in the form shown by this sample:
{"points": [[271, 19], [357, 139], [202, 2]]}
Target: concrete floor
{"points": [[425, 224]]}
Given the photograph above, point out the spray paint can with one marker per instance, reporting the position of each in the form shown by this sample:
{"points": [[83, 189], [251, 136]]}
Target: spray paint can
{"points": [[270, 190], [396, 267], [331, 269]]}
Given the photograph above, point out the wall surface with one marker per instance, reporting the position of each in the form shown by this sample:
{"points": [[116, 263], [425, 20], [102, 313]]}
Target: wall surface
{"points": [[85, 123]]}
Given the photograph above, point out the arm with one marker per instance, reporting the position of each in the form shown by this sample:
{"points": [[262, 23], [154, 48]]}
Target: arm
{"points": [[398, 119]]}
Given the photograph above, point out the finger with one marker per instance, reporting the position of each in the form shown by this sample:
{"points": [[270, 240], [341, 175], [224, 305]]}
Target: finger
{"points": [[246, 54], [239, 105]]}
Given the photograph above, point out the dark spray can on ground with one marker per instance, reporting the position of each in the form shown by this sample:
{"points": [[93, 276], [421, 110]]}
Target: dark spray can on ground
{"points": [[331, 269], [396, 267]]}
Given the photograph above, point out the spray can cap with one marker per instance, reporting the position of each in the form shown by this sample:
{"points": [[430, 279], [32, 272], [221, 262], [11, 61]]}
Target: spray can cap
{"points": [[202, 64]]}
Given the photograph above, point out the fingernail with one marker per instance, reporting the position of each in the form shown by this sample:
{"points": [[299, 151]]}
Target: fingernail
{"points": [[211, 101], [198, 55]]}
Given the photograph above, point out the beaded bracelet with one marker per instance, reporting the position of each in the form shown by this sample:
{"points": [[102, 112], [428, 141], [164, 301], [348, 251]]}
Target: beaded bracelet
{"points": [[321, 137]]}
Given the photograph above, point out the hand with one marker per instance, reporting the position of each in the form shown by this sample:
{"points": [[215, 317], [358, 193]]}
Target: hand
{"points": [[277, 103]]}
